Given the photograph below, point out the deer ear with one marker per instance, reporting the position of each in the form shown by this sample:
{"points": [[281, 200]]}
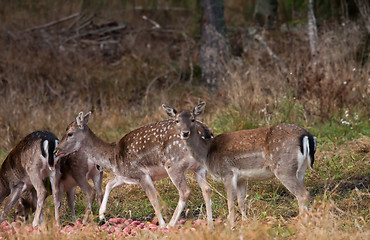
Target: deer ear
{"points": [[79, 120], [86, 118], [199, 109], [170, 111], [82, 120]]}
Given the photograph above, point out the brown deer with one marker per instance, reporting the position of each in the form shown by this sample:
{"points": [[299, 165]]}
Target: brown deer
{"points": [[142, 156], [284, 151], [73, 170], [26, 166]]}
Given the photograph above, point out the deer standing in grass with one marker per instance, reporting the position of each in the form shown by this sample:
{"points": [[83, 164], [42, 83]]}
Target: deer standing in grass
{"points": [[26, 166], [284, 151], [73, 170], [142, 156]]}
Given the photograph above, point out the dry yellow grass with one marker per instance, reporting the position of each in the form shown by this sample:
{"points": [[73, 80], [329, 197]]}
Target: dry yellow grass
{"points": [[43, 87]]}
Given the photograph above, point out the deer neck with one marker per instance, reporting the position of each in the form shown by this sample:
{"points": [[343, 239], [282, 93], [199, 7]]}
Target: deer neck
{"points": [[198, 146], [97, 150]]}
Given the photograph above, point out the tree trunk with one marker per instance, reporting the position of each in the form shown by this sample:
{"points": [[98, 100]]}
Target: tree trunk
{"points": [[312, 32], [265, 13], [214, 52]]}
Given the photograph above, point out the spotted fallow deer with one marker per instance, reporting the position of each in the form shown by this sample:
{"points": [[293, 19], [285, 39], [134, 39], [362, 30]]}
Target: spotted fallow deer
{"points": [[73, 170], [142, 156], [284, 151], [25, 168]]}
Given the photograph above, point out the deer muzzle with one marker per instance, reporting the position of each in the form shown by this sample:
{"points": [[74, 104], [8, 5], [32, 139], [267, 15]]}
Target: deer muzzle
{"points": [[185, 134]]}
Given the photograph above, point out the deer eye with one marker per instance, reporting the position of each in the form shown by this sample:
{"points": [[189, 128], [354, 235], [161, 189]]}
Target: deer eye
{"points": [[193, 120], [69, 134], [177, 121]]}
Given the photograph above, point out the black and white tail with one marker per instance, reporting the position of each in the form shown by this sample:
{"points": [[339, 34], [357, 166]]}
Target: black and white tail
{"points": [[308, 148], [48, 144]]}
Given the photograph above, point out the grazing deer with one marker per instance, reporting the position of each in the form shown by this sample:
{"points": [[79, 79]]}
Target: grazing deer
{"points": [[284, 151], [25, 168], [73, 170], [76, 170], [142, 156]]}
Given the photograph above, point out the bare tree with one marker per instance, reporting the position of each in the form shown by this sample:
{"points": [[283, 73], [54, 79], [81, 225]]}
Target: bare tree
{"points": [[312, 31], [214, 51]]}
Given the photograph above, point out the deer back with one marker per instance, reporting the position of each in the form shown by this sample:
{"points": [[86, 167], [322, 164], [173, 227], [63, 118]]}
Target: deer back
{"points": [[242, 149], [286, 142], [35, 150], [157, 144]]}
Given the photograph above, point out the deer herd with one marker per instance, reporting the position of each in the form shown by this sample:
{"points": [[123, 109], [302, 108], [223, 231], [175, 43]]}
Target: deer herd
{"points": [[39, 164]]}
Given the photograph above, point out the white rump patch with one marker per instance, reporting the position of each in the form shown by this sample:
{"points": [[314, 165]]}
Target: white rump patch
{"points": [[45, 146], [303, 162]]}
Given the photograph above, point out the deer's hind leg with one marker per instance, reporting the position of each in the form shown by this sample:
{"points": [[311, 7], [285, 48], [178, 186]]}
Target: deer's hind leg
{"points": [[289, 179], [41, 191], [147, 184], [90, 194], [241, 193], [14, 196], [97, 180]]}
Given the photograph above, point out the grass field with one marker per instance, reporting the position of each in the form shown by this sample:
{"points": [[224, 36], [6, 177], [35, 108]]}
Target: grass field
{"points": [[47, 76]]}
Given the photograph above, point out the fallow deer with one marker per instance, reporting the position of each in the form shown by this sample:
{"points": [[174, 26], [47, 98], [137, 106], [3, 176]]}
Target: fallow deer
{"points": [[76, 170], [73, 170], [284, 151], [25, 167], [142, 156]]}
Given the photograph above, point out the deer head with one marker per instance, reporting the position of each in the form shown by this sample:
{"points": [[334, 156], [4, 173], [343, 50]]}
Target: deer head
{"points": [[185, 121], [75, 134]]}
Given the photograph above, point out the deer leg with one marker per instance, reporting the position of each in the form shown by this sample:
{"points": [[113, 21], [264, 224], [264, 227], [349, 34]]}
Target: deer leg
{"points": [[90, 195], [14, 196], [201, 177], [297, 189], [57, 191], [178, 178], [71, 202], [97, 180], [117, 181], [230, 186], [4, 192], [241, 193], [57, 198], [41, 192], [41, 195], [148, 186]]}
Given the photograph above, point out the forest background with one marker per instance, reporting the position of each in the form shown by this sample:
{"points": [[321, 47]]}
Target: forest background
{"points": [[123, 59]]}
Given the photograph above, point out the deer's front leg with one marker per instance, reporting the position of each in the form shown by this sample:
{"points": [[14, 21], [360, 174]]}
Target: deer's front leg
{"points": [[201, 177], [230, 183], [178, 178], [117, 181], [57, 191]]}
